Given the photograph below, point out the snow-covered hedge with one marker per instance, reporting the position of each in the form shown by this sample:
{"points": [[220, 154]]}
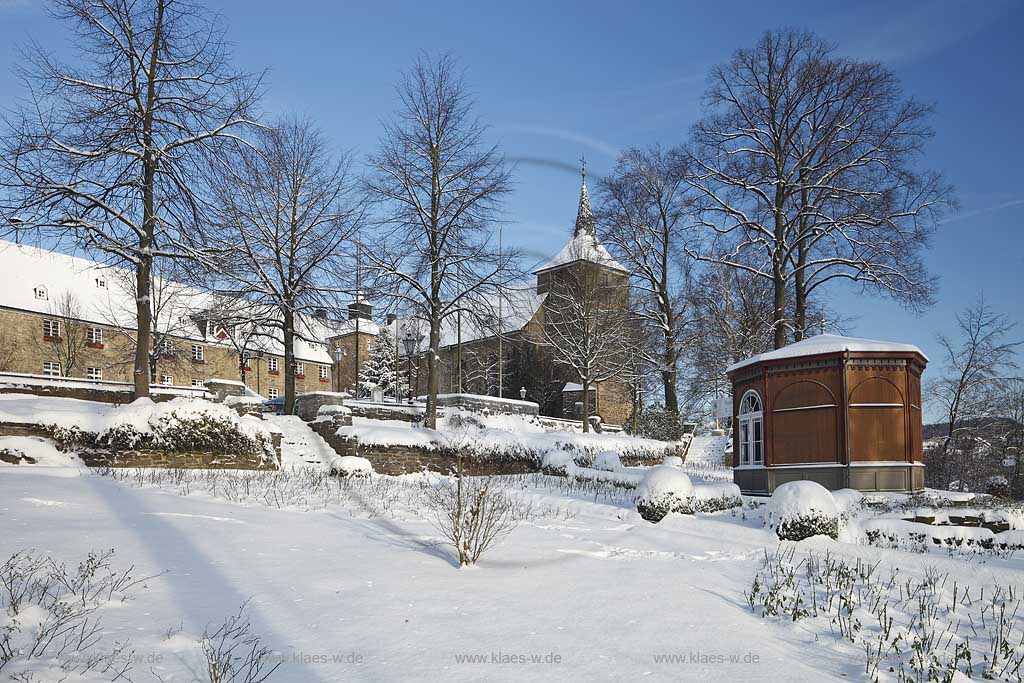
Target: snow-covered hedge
{"points": [[801, 509], [181, 425], [715, 496], [351, 466], [608, 461], [664, 490]]}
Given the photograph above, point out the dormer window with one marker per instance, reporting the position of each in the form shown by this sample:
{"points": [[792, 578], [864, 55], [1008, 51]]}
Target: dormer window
{"points": [[40, 293], [101, 283]]}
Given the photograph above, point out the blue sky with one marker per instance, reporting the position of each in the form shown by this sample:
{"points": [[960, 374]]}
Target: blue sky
{"points": [[559, 80]]}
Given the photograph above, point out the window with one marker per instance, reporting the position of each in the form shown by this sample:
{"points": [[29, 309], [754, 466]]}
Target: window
{"points": [[165, 347], [94, 374], [94, 336], [40, 293], [324, 376], [51, 369], [272, 365], [300, 370], [197, 383], [166, 380], [51, 329], [197, 353], [101, 283], [751, 425], [272, 393]]}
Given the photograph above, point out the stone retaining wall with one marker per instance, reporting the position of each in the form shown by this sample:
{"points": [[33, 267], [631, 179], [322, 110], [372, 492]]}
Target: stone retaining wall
{"points": [[488, 404], [396, 460], [188, 461], [387, 411]]}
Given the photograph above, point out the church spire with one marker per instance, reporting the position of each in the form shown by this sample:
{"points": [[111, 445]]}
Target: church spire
{"points": [[584, 217]]}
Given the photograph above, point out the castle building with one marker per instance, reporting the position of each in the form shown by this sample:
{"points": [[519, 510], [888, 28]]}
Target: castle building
{"points": [[67, 316]]}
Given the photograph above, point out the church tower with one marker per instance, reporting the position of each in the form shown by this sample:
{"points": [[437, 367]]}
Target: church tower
{"points": [[582, 251]]}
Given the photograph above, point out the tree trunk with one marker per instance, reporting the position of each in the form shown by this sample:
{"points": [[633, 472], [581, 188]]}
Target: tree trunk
{"points": [[669, 376], [586, 406], [289, 361], [433, 376], [144, 268], [799, 277]]}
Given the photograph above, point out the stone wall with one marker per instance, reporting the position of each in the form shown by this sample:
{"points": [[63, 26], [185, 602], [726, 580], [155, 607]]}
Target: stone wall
{"points": [[188, 461], [387, 411], [396, 460], [488, 404], [308, 405], [99, 394]]}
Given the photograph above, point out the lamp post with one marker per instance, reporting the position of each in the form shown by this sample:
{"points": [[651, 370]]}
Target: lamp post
{"points": [[338, 355], [409, 342]]}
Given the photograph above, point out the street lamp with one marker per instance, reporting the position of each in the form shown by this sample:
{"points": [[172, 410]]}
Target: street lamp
{"points": [[338, 355], [409, 342]]}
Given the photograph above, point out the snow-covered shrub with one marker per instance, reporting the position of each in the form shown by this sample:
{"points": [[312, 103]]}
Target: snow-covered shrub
{"points": [[474, 513], [672, 461], [50, 626], [351, 466], [234, 652], [607, 461], [664, 490], [716, 496], [657, 423], [801, 509], [998, 486], [848, 501], [177, 426]]}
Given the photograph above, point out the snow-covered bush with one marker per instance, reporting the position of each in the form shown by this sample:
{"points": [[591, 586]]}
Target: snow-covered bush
{"points": [[50, 626], [607, 461], [178, 426], [664, 490], [672, 461], [801, 509], [474, 513], [351, 466], [716, 496]]}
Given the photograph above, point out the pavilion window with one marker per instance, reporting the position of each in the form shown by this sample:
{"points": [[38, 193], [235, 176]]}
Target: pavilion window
{"points": [[751, 429]]}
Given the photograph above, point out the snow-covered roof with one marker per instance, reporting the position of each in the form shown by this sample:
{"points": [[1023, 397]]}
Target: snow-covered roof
{"points": [[34, 279], [827, 343], [584, 247], [518, 306]]}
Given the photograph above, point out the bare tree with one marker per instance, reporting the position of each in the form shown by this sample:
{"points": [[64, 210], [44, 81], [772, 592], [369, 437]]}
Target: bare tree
{"points": [[104, 154], [974, 365], [67, 345], [805, 165], [644, 206], [287, 219], [588, 327], [172, 315], [438, 188]]}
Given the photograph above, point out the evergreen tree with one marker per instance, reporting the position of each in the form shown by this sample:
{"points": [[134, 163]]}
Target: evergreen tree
{"points": [[379, 367]]}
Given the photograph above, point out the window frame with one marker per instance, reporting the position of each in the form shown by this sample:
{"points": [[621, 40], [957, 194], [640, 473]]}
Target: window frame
{"points": [[54, 328], [94, 336], [166, 380], [94, 374], [48, 369], [272, 365], [272, 393], [198, 353], [750, 425], [325, 374]]}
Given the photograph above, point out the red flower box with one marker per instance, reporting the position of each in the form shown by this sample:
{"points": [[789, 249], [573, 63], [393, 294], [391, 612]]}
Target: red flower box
{"points": [[325, 381], [300, 377], [274, 372], [95, 346], [51, 339]]}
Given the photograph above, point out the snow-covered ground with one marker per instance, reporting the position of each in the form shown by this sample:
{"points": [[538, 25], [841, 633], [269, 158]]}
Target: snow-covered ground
{"points": [[340, 594]]}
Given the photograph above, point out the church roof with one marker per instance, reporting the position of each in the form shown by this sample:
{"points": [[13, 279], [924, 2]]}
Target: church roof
{"points": [[826, 343], [584, 245]]}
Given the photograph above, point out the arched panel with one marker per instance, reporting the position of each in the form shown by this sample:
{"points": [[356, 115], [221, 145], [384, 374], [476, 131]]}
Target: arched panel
{"points": [[803, 394], [876, 391]]}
